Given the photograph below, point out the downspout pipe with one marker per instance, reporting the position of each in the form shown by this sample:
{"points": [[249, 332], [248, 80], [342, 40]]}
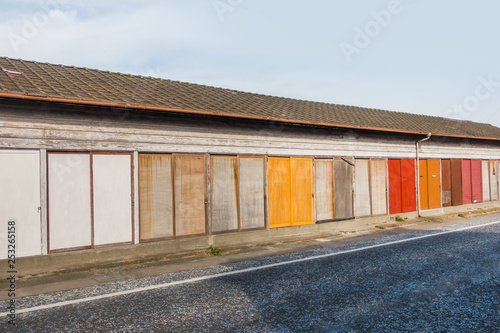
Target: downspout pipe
{"points": [[418, 172]]}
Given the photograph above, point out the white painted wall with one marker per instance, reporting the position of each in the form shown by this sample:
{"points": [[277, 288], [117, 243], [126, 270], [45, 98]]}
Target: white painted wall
{"points": [[20, 201]]}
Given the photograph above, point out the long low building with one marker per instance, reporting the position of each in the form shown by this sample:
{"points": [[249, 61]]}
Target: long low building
{"points": [[92, 159]]}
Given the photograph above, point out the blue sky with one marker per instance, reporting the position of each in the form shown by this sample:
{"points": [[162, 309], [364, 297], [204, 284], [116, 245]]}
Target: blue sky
{"points": [[438, 58]]}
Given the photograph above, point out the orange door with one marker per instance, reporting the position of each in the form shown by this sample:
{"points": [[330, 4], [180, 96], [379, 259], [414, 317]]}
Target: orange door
{"points": [[423, 181], [279, 192], [302, 191], [434, 183]]}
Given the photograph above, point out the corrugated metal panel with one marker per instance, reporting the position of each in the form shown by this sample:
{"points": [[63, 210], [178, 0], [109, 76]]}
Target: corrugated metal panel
{"points": [[324, 189], [395, 204], [252, 192], [343, 200], [112, 184], [456, 182], [423, 180], [486, 180], [494, 180], [362, 188], [189, 194], [378, 187], [302, 191], [279, 184], [224, 193], [446, 182], [20, 199], [69, 201], [477, 180], [156, 207], [434, 183], [466, 182], [408, 196]]}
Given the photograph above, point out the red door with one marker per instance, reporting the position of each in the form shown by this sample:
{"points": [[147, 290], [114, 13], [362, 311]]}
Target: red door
{"points": [[466, 182], [395, 186], [477, 180], [408, 197]]}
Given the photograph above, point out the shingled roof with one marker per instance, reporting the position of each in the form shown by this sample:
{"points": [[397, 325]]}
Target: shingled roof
{"points": [[58, 83]]}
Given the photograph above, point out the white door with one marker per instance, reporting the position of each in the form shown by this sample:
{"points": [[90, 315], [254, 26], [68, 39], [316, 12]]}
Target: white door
{"points": [[20, 201]]}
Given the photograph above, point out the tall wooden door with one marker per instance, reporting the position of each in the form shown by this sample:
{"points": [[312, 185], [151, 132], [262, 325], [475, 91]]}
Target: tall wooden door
{"points": [[466, 182], [302, 191], [395, 204], [477, 181], [486, 180], [456, 182], [362, 204], [224, 186], [343, 189], [20, 202], [423, 183], [280, 192], [408, 198], [189, 194], [446, 182], [156, 206], [323, 184], [378, 186], [434, 183], [251, 195], [493, 180]]}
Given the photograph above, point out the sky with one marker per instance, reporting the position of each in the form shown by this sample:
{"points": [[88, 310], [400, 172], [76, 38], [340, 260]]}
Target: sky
{"points": [[439, 58]]}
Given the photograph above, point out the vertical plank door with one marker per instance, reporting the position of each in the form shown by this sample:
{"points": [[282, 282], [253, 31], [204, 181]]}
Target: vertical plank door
{"points": [[323, 174], [189, 194], [224, 186], [69, 199], [423, 182], [20, 199], [156, 207], [343, 186], [112, 184], [456, 182], [493, 180], [251, 177], [446, 182], [434, 183], [408, 191], [395, 195], [476, 180], [378, 186], [302, 191], [486, 180], [362, 187], [279, 184], [466, 182]]}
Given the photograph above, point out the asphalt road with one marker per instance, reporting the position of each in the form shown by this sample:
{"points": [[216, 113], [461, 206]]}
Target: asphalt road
{"points": [[444, 280]]}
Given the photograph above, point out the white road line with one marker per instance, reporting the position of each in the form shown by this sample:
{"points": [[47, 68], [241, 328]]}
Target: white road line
{"points": [[251, 269]]}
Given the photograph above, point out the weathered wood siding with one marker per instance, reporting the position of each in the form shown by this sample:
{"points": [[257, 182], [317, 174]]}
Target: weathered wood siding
{"points": [[156, 207], [251, 180], [324, 189], [224, 193], [20, 200]]}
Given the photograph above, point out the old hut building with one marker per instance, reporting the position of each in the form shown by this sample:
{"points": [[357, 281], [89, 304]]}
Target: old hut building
{"points": [[94, 161]]}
